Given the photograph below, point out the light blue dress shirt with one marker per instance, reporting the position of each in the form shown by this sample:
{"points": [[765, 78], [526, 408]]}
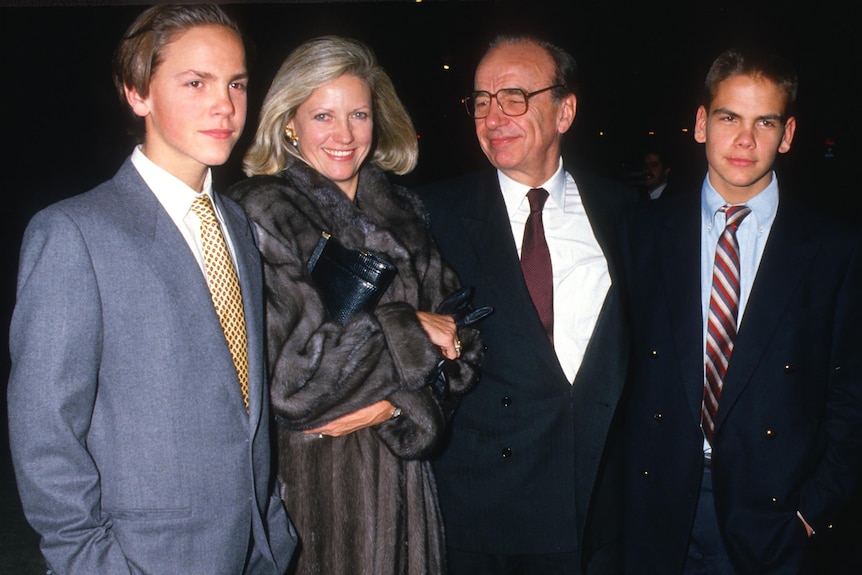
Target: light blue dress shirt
{"points": [[751, 235]]}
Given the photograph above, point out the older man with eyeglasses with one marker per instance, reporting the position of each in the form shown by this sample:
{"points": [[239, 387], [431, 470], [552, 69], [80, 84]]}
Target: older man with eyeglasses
{"points": [[529, 481]]}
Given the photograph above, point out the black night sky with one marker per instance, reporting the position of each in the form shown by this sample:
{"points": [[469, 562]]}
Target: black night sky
{"points": [[641, 69]]}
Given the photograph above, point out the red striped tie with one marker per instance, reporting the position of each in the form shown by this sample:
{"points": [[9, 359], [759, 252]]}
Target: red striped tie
{"points": [[723, 313], [536, 261]]}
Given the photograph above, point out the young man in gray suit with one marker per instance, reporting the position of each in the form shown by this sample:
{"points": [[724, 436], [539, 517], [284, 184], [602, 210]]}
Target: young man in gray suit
{"points": [[528, 480], [138, 425]]}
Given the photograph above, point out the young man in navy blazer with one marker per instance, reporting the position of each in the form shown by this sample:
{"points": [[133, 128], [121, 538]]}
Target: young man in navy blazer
{"points": [[133, 447], [737, 477]]}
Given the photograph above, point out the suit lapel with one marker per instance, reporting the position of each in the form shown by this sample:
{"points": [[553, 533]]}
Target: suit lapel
{"points": [[162, 247], [678, 245], [250, 278], [603, 218], [487, 222], [160, 243], [789, 252]]}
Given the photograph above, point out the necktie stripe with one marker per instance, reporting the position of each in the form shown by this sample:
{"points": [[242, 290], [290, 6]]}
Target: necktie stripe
{"points": [[722, 316]]}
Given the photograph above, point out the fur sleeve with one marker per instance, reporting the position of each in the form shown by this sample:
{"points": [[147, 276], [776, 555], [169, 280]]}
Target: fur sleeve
{"points": [[320, 370], [419, 430]]}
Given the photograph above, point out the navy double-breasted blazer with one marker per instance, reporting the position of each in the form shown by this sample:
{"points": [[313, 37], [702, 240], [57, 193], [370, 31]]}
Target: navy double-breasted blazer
{"points": [[528, 460], [788, 433]]}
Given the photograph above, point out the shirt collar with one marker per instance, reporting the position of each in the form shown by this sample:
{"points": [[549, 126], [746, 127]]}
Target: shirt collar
{"points": [[514, 193], [763, 206], [172, 193]]}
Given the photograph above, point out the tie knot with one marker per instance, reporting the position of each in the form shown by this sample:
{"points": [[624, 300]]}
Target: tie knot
{"points": [[537, 198], [203, 208], [734, 215]]}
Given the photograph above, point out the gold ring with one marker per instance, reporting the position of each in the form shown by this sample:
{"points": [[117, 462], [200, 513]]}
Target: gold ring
{"points": [[457, 346]]}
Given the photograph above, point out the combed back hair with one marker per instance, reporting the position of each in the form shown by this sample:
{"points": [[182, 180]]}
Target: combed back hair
{"points": [[311, 65], [141, 50], [565, 66], [755, 63]]}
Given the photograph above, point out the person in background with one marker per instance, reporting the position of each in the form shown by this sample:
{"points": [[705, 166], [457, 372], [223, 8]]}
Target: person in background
{"points": [[138, 415], [354, 412], [529, 479], [655, 174], [744, 420]]}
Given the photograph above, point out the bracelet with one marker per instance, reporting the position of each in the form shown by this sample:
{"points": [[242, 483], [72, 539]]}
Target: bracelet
{"points": [[396, 413]]}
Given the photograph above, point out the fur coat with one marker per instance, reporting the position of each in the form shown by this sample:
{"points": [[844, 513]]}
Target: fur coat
{"points": [[365, 503]]}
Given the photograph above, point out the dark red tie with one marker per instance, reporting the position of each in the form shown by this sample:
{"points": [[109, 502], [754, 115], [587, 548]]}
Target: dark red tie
{"points": [[536, 261], [723, 313]]}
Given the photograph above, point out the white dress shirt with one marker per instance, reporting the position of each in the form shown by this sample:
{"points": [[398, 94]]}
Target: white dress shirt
{"points": [[176, 198], [580, 271]]}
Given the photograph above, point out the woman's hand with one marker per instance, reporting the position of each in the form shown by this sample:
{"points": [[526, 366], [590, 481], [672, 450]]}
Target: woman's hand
{"points": [[361, 418], [442, 332]]}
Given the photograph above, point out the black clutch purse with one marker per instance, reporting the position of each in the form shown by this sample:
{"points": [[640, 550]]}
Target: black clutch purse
{"points": [[349, 280]]}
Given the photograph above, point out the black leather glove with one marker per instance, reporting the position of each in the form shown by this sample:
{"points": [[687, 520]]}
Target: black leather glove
{"points": [[459, 305]]}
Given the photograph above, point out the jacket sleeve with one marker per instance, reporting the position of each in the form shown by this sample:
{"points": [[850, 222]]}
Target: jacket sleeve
{"points": [[423, 413], [55, 344], [321, 370], [831, 484]]}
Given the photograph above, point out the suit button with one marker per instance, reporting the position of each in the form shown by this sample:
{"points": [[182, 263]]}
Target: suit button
{"points": [[507, 452], [773, 500], [506, 401], [789, 369], [646, 473], [653, 354], [770, 434], [657, 416]]}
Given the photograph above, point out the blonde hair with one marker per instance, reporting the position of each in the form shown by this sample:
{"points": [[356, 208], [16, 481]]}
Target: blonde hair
{"points": [[317, 62]]}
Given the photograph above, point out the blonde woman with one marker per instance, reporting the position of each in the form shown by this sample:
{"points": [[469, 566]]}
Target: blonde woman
{"points": [[356, 420]]}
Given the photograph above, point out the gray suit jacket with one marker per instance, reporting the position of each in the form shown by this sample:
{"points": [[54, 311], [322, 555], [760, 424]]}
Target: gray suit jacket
{"points": [[132, 449]]}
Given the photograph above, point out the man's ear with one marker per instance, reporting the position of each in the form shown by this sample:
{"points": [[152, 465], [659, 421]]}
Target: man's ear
{"points": [[787, 138], [568, 111], [139, 104], [700, 125]]}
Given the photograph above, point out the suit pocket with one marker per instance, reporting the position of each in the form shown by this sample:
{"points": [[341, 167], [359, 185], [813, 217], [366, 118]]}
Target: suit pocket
{"points": [[149, 514]]}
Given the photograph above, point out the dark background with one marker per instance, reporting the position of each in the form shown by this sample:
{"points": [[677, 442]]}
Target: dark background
{"points": [[641, 67]]}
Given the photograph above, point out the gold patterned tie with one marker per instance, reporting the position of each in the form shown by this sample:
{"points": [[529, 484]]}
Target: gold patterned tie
{"points": [[224, 288]]}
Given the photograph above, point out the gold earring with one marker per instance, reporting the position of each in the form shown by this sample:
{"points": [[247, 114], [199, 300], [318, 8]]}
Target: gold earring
{"points": [[291, 136]]}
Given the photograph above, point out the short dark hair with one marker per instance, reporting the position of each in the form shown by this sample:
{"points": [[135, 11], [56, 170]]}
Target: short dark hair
{"points": [[753, 62]]}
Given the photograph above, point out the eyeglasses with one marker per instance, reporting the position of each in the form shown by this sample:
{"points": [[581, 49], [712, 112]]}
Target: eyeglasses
{"points": [[512, 101]]}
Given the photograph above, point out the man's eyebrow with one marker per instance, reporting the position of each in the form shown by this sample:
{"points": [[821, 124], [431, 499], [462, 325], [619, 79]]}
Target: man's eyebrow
{"points": [[197, 73], [726, 112], [210, 75], [778, 117]]}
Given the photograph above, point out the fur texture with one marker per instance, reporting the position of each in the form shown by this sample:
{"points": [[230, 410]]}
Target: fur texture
{"points": [[366, 502]]}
